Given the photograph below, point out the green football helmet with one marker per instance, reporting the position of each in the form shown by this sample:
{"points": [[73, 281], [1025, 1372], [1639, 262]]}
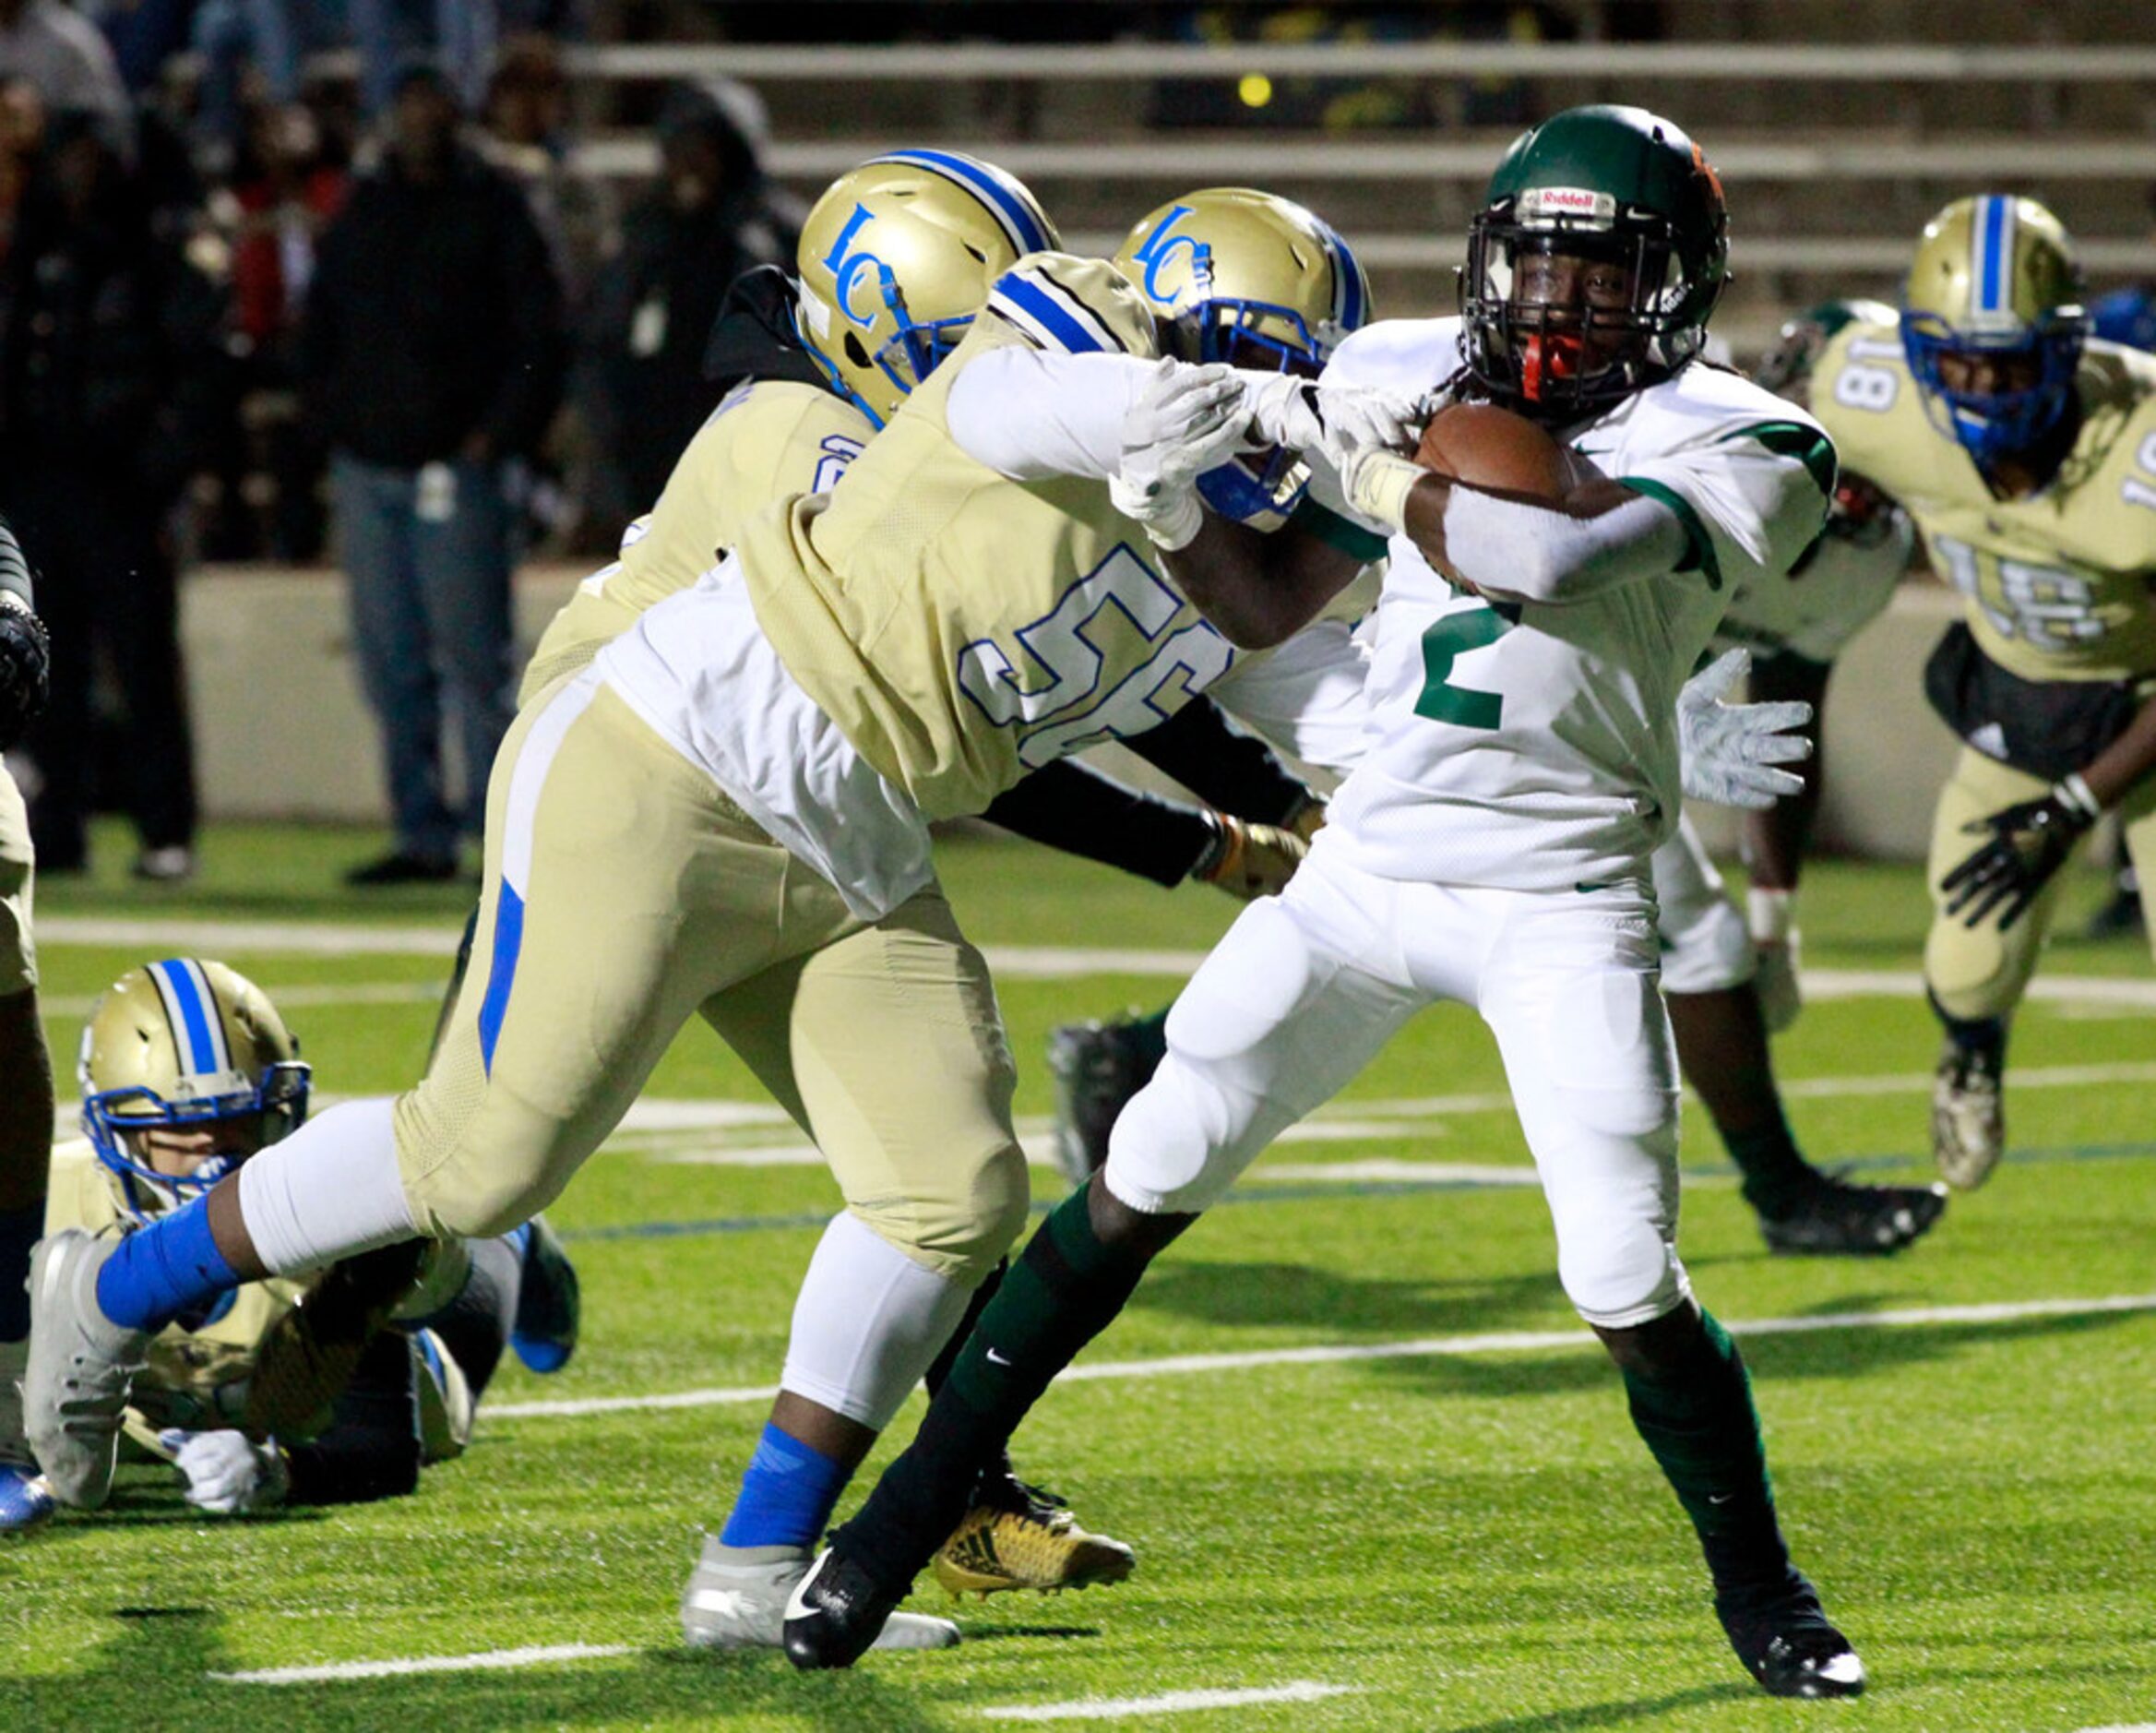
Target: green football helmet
{"points": [[1607, 185], [1994, 288], [895, 260]]}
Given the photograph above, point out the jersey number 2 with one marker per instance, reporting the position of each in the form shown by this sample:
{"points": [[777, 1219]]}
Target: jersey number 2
{"points": [[1446, 641]]}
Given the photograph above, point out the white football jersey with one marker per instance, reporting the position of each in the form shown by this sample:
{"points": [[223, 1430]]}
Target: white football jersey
{"points": [[1534, 747]]}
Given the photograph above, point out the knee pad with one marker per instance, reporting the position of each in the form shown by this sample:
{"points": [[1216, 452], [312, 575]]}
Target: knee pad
{"points": [[963, 1225]]}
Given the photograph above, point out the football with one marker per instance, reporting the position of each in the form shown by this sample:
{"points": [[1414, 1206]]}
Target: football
{"points": [[1493, 447]]}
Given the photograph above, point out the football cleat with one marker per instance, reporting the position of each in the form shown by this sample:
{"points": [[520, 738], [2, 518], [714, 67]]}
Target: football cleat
{"points": [[1968, 1115], [26, 1497], [1017, 1536], [74, 1382], [1786, 1643], [839, 1612], [549, 1301], [1098, 1068], [737, 1599], [1836, 1219]]}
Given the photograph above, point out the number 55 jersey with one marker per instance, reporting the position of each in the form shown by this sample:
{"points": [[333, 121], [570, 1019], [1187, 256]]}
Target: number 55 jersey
{"points": [[1533, 745], [2055, 585]]}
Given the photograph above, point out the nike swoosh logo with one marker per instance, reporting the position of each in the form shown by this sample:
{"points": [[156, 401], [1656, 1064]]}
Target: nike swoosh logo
{"points": [[997, 1359], [1719, 1498], [797, 1605]]}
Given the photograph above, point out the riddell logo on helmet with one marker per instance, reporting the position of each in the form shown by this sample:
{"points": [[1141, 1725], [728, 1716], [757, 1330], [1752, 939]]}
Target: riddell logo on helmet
{"points": [[1546, 202]]}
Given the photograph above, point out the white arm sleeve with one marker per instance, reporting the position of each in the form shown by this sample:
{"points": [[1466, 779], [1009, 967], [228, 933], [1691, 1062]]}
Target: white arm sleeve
{"points": [[1030, 414], [1530, 553]]}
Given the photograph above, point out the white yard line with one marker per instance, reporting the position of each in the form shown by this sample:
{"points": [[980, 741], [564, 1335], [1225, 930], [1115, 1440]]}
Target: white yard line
{"points": [[1169, 1702], [1497, 1342], [493, 1658], [1039, 962]]}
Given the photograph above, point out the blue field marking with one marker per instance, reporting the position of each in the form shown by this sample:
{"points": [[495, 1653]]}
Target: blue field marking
{"points": [[1260, 1192]]}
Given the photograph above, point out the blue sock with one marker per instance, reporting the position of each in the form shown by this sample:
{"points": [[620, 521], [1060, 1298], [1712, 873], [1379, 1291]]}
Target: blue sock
{"points": [[20, 1230], [786, 1495], [158, 1271]]}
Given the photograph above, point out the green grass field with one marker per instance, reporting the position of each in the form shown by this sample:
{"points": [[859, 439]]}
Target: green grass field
{"points": [[1464, 1536]]}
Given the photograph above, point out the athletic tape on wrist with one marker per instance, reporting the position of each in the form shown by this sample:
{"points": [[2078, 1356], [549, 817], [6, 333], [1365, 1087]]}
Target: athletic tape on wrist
{"points": [[1383, 481], [2074, 793]]}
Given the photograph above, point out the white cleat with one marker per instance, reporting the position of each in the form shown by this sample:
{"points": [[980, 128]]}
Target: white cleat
{"points": [[737, 1599], [1968, 1117], [74, 1382]]}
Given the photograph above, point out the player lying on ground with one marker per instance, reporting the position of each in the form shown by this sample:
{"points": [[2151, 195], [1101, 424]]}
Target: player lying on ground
{"points": [[1492, 846], [2026, 451], [324, 1390]]}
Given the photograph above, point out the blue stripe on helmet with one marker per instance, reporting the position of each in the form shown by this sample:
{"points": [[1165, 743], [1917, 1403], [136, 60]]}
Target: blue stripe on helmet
{"points": [[1993, 254], [1023, 223], [1037, 303], [1353, 312], [184, 995]]}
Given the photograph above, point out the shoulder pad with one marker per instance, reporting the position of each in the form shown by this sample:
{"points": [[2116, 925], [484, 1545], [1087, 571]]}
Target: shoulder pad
{"points": [[1074, 305]]}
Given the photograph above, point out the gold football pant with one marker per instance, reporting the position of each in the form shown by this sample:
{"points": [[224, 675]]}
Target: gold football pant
{"points": [[1981, 972], [625, 893]]}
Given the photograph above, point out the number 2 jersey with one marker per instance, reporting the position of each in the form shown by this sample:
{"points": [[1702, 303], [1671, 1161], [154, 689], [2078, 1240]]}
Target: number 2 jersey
{"points": [[2055, 586], [1533, 746]]}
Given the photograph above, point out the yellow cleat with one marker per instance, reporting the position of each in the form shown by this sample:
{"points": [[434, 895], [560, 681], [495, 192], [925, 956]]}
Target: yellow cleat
{"points": [[1020, 1538]]}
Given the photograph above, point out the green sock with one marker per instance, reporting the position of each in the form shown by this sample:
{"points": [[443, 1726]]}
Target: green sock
{"points": [[1059, 1294], [1776, 1175], [1704, 1432]]}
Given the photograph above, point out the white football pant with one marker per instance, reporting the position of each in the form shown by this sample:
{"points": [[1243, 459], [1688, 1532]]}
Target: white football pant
{"points": [[1308, 986]]}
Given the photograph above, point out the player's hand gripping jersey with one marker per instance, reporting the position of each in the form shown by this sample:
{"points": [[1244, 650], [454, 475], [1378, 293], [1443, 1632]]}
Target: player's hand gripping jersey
{"points": [[2055, 586], [1532, 745]]}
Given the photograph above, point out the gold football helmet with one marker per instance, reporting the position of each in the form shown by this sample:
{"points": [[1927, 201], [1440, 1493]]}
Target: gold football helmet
{"points": [[183, 1043], [897, 257], [1245, 276], [1992, 323]]}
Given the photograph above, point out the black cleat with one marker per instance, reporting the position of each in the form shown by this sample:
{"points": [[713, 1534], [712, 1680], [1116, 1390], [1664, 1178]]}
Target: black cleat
{"points": [[1098, 1068], [1786, 1643], [1836, 1219], [835, 1612]]}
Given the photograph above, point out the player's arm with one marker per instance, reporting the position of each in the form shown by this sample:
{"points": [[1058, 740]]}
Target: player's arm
{"points": [[1231, 771], [1775, 839], [1512, 548], [1258, 591]]}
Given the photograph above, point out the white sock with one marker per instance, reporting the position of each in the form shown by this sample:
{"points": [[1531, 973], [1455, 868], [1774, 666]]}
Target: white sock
{"points": [[867, 1325], [328, 1191]]}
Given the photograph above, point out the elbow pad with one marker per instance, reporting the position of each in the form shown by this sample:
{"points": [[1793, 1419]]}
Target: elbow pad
{"points": [[1540, 554]]}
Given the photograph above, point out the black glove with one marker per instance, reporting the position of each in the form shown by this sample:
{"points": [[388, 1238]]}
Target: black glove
{"points": [[26, 656], [2028, 845]]}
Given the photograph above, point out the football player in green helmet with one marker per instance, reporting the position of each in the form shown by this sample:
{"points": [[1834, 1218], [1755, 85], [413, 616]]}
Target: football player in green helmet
{"points": [[1490, 845], [2025, 450]]}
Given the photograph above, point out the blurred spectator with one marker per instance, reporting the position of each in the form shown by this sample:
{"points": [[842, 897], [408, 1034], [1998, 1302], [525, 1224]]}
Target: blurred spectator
{"points": [[430, 354], [63, 53], [269, 38], [459, 34], [524, 130], [112, 371], [710, 217]]}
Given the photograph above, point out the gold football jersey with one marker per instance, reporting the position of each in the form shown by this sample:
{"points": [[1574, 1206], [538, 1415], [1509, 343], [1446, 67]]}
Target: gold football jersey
{"points": [[767, 438], [2055, 586], [962, 628]]}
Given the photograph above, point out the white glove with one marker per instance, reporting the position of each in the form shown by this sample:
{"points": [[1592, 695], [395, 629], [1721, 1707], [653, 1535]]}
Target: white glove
{"points": [[1332, 420], [1185, 420], [1772, 915], [1728, 748], [228, 1472]]}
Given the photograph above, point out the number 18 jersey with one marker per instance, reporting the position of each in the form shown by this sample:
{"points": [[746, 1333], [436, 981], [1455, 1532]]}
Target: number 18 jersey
{"points": [[1534, 747]]}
